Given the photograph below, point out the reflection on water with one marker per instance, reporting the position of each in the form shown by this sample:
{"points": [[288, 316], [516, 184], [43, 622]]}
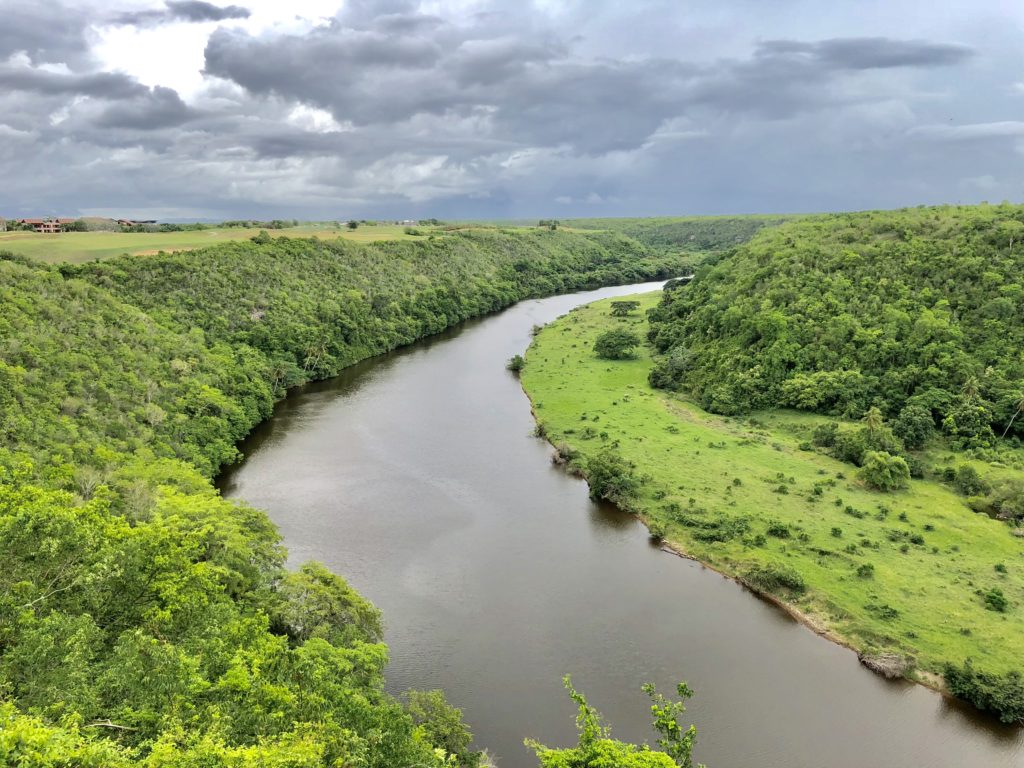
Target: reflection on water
{"points": [[414, 475]]}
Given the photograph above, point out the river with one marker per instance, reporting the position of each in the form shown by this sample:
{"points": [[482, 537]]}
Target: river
{"points": [[415, 475]]}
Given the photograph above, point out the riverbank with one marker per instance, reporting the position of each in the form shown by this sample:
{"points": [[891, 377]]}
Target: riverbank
{"points": [[895, 573]]}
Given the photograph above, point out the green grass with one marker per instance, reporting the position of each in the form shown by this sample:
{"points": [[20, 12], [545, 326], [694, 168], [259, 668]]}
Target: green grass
{"points": [[699, 469], [79, 247]]}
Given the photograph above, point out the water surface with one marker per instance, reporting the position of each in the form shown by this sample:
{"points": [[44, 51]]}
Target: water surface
{"points": [[415, 475]]}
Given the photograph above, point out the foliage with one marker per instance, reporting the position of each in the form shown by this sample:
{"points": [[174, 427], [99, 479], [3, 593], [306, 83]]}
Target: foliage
{"points": [[775, 578], [516, 363], [624, 308], [694, 233], [1002, 695], [611, 477], [616, 344], [836, 313], [143, 618], [443, 725], [596, 748], [712, 484], [914, 426], [885, 472]]}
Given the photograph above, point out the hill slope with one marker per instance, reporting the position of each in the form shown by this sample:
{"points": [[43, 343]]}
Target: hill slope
{"points": [[838, 313]]}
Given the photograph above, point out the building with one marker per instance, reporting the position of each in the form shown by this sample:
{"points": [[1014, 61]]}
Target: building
{"points": [[47, 226]]}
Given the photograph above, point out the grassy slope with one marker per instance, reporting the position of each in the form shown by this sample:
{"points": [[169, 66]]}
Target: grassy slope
{"points": [[78, 247], [692, 457]]}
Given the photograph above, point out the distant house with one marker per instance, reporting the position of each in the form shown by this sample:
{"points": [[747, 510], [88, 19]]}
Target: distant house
{"points": [[47, 226]]}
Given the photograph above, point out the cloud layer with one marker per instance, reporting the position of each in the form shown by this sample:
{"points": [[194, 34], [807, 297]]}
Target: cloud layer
{"points": [[492, 109]]}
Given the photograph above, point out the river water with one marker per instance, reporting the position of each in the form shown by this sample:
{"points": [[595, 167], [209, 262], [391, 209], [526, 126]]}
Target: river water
{"points": [[416, 477]]}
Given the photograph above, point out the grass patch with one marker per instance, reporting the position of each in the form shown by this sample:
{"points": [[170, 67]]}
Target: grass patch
{"points": [[903, 571]]}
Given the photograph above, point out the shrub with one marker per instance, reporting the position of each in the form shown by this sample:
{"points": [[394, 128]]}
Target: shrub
{"points": [[866, 570], [516, 363], [775, 578], [995, 600], [611, 477], [1000, 694], [885, 472], [616, 344], [968, 482], [825, 434]]}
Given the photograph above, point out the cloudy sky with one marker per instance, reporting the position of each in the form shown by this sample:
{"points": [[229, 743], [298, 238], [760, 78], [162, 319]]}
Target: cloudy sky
{"points": [[507, 108]]}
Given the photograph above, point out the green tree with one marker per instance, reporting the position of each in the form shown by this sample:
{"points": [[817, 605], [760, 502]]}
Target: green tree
{"points": [[624, 308], [884, 472], [616, 344]]}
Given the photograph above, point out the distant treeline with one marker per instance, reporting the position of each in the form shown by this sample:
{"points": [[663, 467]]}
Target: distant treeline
{"points": [[143, 618], [691, 233]]}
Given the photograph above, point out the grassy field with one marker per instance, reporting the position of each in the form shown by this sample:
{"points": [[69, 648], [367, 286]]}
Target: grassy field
{"points": [[78, 247], [747, 482]]}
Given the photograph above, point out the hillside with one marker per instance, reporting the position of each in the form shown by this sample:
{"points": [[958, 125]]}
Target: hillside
{"points": [[143, 618], [695, 234], [836, 314]]}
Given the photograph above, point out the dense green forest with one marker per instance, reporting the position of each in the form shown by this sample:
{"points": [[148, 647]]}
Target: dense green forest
{"points": [[917, 308], [143, 618], [695, 234]]}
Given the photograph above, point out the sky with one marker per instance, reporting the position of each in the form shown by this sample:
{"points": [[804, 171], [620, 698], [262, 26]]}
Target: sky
{"points": [[333, 109]]}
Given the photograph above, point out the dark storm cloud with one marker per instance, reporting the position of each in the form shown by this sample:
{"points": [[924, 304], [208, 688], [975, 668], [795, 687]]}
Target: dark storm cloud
{"points": [[152, 110], [46, 32], [183, 10], [104, 85], [511, 108]]}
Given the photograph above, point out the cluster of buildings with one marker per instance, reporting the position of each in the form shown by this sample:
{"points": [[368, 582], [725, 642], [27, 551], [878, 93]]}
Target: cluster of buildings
{"points": [[52, 225]]}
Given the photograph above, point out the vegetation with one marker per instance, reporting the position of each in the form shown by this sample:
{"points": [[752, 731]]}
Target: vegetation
{"points": [[143, 618], [835, 314], [771, 499], [616, 344], [694, 234], [99, 243], [596, 748]]}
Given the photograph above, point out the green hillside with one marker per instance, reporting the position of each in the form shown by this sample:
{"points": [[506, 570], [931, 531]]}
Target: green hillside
{"points": [[143, 618]]}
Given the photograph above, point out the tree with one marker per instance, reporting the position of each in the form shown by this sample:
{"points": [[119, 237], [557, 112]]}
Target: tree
{"points": [[596, 749], [885, 472], [623, 308], [616, 344], [914, 425], [1020, 407], [352, 224], [610, 477], [443, 725], [262, 238]]}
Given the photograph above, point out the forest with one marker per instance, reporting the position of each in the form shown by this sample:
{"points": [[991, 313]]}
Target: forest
{"points": [[143, 618]]}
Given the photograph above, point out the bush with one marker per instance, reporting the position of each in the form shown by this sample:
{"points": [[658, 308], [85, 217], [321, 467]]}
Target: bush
{"points": [[516, 363], [968, 482], [611, 477], [775, 578], [866, 571], [825, 434], [885, 472], [996, 601], [616, 344], [1002, 695]]}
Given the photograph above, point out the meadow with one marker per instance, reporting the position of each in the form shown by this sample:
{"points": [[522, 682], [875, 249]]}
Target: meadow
{"points": [[904, 572], [79, 247]]}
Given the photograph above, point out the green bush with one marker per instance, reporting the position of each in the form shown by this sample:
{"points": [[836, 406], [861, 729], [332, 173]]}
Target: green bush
{"points": [[884, 472], [774, 579], [1001, 694], [616, 344]]}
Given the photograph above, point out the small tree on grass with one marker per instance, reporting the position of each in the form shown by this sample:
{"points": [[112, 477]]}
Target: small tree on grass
{"points": [[616, 344], [353, 224], [516, 363], [885, 472], [611, 477], [623, 308]]}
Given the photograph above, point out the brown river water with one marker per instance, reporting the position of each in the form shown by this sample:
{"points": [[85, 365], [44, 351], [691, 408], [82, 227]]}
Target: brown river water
{"points": [[415, 475]]}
